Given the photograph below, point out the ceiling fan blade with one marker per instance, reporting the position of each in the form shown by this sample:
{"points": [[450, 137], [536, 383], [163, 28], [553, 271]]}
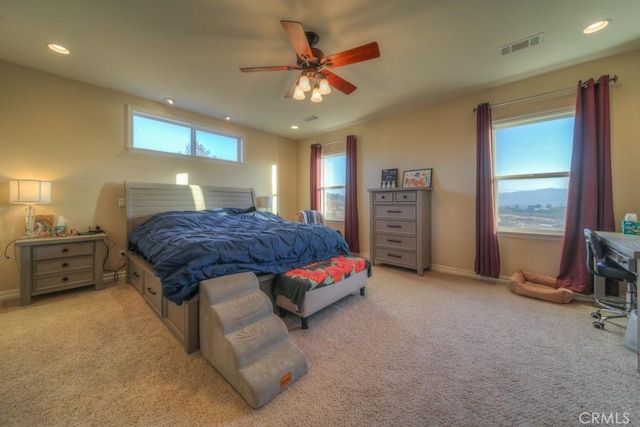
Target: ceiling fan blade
{"points": [[298, 39], [339, 83], [351, 56], [274, 68]]}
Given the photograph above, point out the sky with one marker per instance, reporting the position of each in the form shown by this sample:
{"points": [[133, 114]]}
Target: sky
{"points": [[541, 147], [168, 137]]}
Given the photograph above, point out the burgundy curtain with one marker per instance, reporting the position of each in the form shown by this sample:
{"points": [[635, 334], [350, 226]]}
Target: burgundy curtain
{"points": [[316, 182], [487, 253], [590, 199], [351, 199]]}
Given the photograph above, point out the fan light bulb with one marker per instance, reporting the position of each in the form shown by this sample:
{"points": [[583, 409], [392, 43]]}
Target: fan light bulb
{"points": [[324, 87], [304, 83], [298, 93], [316, 96]]}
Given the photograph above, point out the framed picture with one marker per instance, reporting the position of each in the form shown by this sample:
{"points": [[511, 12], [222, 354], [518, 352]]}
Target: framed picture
{"points": [[389, 178], [417, 178], [43, 225]]}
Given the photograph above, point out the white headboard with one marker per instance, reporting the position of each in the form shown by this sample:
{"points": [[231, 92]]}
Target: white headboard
{"points": [[143, 200]]}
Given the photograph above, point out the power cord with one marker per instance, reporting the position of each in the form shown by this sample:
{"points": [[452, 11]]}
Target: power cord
{"points": [[116, 272], [6, 248]]}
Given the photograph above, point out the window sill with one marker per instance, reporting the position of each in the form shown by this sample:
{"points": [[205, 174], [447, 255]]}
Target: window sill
{"points": [[529, 235]]}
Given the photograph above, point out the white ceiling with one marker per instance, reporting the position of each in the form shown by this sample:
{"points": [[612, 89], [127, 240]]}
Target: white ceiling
{"points": [[191, 50]]}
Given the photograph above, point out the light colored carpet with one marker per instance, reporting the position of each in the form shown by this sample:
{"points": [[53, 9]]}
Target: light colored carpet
{"points": [[437, 350]]}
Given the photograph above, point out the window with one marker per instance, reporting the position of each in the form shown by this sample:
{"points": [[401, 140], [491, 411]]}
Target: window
{"points": [[334, 166], [153, 133], [532, 163]]}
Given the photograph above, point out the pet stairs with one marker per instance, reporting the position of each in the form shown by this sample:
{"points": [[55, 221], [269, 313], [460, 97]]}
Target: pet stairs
{"points": [[245, 341]]}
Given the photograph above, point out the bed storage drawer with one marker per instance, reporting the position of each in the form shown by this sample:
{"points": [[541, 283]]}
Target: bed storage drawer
{"points": [[135, 275], [153, 293]]}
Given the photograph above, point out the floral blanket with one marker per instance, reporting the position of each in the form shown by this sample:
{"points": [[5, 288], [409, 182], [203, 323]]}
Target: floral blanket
{"points": [[295, 283]]}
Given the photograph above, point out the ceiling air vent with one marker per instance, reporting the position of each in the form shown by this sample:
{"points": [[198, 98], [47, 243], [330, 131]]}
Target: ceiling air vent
{"points": [[310, 119], [521, 44]]}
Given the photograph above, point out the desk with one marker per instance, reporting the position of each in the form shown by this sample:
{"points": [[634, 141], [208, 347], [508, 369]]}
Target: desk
{"points": [[625, 250]]}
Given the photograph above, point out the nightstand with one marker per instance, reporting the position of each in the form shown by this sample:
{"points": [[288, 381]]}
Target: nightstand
{"points": [[52, 264]]}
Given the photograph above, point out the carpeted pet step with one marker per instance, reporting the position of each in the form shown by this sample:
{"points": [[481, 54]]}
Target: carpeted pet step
{"points": [[253, 341], [244, 341], [242, 310], [286, 363]]}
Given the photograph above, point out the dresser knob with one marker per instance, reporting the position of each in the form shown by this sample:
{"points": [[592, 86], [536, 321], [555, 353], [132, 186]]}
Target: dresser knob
{"points": [[65, 264], [65, 249], [65, 279]]}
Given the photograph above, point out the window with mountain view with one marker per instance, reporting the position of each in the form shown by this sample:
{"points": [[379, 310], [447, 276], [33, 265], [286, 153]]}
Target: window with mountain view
{"points": [[334, 177], [532, 163]]}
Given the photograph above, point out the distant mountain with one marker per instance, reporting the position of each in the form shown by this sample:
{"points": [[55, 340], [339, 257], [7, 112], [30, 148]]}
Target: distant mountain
{"points": [[544, 197]]}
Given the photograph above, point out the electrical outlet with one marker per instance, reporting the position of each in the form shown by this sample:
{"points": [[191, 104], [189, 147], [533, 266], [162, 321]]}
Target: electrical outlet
{"points": [[122, 254]]}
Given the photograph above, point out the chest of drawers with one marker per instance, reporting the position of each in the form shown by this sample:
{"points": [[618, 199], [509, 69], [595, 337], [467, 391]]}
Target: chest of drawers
{"points": [[400, 227], [54, 264]]}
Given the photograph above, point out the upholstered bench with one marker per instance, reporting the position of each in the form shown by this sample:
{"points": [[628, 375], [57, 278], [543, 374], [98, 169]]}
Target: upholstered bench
{"points": [[306, 290]]}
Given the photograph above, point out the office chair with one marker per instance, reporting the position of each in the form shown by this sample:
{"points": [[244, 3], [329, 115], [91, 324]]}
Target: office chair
{"points": [[599, 265]]}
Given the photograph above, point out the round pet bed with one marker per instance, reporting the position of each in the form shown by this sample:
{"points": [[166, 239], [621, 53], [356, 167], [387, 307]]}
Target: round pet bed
{"points": [[539, 286]]}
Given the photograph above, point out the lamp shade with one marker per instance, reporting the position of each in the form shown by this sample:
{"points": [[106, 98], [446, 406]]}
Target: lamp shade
{"points": [[29, 191], [264, 202]]}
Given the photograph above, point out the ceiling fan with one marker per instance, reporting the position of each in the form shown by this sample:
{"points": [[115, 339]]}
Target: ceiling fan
{"points": [[313, 64]]}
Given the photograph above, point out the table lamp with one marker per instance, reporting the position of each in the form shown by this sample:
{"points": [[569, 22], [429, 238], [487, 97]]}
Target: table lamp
{"points": [[29, 192]]}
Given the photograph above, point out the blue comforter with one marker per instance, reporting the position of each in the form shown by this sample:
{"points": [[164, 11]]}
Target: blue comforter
{"points": [[187, 247]]}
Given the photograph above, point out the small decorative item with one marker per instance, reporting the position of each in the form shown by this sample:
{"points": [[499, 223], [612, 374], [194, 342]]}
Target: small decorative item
{"points": [[60, 231], [43, 225], [417, 178], [389, 178]]}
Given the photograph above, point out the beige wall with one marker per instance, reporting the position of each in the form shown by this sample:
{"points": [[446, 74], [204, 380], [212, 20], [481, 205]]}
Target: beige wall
{"points": [[442, 137], [74, 135]]}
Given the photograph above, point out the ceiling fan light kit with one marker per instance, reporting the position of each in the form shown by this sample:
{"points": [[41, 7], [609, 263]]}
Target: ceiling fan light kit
{"points": [[311, 62]]}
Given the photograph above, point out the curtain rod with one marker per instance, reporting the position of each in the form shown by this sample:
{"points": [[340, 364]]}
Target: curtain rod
{"points": [[331, 142], [529, 98]]}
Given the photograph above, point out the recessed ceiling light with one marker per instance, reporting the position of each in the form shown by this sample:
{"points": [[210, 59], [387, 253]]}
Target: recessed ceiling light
{"points": [[294, 127], [227, 118], [596, 26], [58, 48], [169, 101]]}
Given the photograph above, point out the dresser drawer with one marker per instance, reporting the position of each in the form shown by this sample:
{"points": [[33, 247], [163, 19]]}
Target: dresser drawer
{"points": [[406, 196], [62, 250], [395, 241], [395, 256], [383, 197], [153, 293], [395, 211], [63, 264], [390, 226], [64, 280]]}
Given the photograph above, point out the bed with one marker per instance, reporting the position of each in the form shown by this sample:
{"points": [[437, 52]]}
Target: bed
{"points": [[167, 272]]}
